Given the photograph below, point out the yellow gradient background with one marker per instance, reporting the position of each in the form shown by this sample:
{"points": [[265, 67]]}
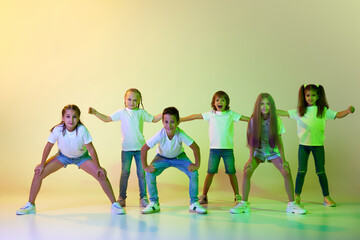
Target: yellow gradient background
{"points": [[177, 53]]}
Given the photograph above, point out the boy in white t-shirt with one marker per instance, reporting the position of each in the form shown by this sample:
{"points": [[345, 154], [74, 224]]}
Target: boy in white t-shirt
{"points": [[221, 133], [170, 153]]}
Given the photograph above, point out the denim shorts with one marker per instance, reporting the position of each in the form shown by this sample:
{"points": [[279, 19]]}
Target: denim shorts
{"points": [[266, 157], [228, 157], [77, 161]]}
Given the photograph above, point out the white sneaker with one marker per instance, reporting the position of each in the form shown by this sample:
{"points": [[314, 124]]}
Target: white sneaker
{"points": [[143, 202], [152, 207], [28, 208], [242, 207], [296, 208], [117, 209], [195, 207]]}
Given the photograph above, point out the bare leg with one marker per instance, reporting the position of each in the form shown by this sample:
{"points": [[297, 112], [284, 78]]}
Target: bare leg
{"points": [[248, 172], [207, 183], [51, 166], [234, 183], [90, 167], [286, 173]]}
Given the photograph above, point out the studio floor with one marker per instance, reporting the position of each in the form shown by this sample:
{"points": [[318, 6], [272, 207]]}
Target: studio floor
{"points": [[62, 217]]}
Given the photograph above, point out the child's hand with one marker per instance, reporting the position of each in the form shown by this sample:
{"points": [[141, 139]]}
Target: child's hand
{"points": [[248, 164], [39, 169], [193, 167], [150, 168], [351, 109], [285, 165], [92, 110], [101, 172]]}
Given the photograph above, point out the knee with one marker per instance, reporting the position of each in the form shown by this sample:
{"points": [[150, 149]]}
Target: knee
{"points": [[101, 177], [125, 173], [302, 173], [286, 172], [247, 172], [150, 177], [39, 177], [194, 174]]}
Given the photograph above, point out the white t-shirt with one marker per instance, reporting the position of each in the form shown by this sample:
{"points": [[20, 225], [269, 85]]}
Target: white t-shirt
{"points": [[310, 128], [169, 148], [72, 144], [265, 130], [221, 128], [132, 122]]}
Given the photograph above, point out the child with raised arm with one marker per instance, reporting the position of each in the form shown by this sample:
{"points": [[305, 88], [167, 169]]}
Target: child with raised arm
{"points": [[132, 120], [265, 145], [75, 144], [170, 153], [221, 133], [311, 115]]}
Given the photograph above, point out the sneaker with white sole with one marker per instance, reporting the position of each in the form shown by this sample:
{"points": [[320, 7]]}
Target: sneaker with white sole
{"points": [[295, 208], [242, 207], [143, 202], [203, 199], [328, 202], [152, 207], [28, 208], [117, 209], [195, 207]]}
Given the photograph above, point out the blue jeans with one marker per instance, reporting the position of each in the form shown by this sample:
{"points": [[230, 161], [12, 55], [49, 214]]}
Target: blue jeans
{"points": [[126, 157], [214, 159], [182, 163], [319, 158]]}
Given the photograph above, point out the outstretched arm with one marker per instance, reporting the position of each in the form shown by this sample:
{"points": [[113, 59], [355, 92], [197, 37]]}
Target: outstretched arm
{"points": [[196, 150], [346, 112], [157, 118], [282, 113], [191, 117], [147, 168], [244, 118], [101, 116]]}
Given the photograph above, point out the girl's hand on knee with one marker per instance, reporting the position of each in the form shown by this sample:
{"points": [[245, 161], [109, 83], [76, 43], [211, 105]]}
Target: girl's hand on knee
{"points": [[193, 167], [150, 168], [39, 169], [101, 172], [285, 165], [248, 164]]}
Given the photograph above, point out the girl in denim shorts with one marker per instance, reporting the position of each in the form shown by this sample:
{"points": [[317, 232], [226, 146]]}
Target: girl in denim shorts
{"points": [[75, 144], [265, 144]]}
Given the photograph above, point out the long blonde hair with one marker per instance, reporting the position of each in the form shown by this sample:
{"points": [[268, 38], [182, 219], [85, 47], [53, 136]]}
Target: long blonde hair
{"points": [[254, 125]]}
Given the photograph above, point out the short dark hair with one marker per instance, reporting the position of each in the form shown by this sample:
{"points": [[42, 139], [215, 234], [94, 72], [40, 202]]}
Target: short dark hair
{"points": [[171, 111]]}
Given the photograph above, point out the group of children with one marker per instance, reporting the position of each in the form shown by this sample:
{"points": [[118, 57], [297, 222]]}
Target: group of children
{"points": [[263, 139]]}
